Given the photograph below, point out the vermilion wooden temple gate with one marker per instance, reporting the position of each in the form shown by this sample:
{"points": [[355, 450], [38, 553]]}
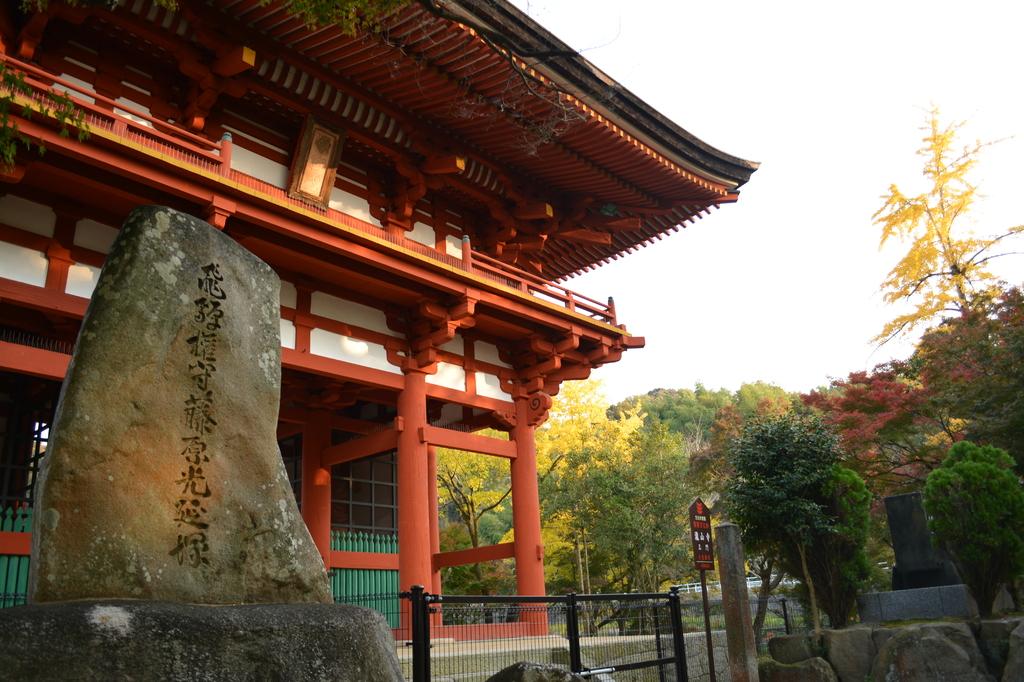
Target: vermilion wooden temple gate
{"points": [[421, 194]]}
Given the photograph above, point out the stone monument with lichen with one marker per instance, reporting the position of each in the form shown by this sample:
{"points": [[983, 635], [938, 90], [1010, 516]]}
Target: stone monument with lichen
{"points": [[168, 543]]}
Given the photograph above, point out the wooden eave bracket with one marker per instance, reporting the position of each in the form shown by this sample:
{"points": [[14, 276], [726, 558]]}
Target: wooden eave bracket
{"points": [[219, 210], [234, 60]]}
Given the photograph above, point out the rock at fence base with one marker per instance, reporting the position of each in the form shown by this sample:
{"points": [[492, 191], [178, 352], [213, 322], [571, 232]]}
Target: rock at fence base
{"points": [[149, 641], [809, 670], [1003, 603], [851, 652], [881, 635], [931, 651], [163, 479], [994, 642], [790, 649], [1014, 670], [534, 672]]}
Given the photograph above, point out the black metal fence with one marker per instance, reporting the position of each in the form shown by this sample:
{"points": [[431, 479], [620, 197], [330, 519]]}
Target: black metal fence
{"points": [[620, 637]]}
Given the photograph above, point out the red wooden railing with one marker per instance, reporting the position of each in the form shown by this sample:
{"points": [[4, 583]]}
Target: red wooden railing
{"points": [[189, 149]]}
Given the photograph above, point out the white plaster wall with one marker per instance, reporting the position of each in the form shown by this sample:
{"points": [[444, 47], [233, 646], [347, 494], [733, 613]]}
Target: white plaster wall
{"points": [[287, 334], [133, 106], [448, 375], [456, 345], [90, 234], [345, 348], [489, 386], [258, 166], [23, 265], [453, 246], [27, 215], [77, 82], [289, 296], [488, 352], [349, 312], [82, 280], [422, 233], [349, 203]]}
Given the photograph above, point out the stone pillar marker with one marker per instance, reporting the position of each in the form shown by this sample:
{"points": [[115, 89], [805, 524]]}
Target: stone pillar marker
{"points": [[163, 479], [739, 632]]}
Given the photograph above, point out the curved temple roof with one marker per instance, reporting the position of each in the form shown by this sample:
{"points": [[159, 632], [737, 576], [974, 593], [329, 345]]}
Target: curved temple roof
{"points": [[445, 77]]}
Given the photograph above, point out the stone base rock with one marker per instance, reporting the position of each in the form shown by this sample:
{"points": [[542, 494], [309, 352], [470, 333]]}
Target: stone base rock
{"points": [[851, 652], [534, 672], [931, 651], [810, 670], [790, 649], [994, 640], [143, 641], [1014, 670]]}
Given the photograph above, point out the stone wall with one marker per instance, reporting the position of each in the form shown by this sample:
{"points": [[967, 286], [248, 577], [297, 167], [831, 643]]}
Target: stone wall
{"points": [[983, 651]]}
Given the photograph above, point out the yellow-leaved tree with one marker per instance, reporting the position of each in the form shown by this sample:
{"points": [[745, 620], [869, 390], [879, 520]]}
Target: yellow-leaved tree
{"points": [[945, 269]]}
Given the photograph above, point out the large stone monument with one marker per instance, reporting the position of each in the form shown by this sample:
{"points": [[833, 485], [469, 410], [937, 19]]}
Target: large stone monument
{"points": [[924, 581], [163, 478], [918, 562], [168, 543]]}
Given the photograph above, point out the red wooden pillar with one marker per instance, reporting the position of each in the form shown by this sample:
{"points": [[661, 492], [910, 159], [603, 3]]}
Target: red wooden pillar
{"points": [[435, 531], [316, 483], [436, 620], [414, 557], [529, 548]]}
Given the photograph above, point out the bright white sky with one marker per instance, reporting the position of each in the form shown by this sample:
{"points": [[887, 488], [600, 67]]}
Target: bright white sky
{"points": [[829, 97]]}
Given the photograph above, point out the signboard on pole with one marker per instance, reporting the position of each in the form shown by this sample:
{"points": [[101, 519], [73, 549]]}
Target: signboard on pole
{"points": [[700, 534]]}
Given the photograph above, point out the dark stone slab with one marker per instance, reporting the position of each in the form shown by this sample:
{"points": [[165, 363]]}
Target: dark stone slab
{"points": [[534, 672], [156, 641], [918, 562], [948, 601]]}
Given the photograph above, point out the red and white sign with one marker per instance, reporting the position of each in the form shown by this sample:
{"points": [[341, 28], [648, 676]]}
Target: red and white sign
{"points": [[700, 535]]}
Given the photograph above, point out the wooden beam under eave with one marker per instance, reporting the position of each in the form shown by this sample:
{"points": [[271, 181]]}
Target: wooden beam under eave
{"points": [[538, 210], [475, 555], [618, 223], [588, 236], [235, 61], [349, 451], [443, 165], [470, 442]]}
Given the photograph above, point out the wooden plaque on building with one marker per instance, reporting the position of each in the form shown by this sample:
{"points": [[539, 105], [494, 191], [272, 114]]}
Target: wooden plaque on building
{"points": [[315, 163]]}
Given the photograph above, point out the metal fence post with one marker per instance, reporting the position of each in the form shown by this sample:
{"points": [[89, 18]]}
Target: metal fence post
{"points": [[785, 615], [678, 641], [657, 640], [419, 631], [572, 632]]}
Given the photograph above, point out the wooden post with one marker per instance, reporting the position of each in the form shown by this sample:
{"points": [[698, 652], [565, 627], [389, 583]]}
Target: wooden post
{"points": [[529, 548], [707, 626], [739, 633], [467, 253], [316, 483], [226, 149], [414, 557], [436, 620]]}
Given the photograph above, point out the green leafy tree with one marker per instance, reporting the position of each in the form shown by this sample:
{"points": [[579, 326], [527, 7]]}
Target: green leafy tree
{"points": [[945, 267], [973, 365], [976, 507], [629, 504], [790, 495]]}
